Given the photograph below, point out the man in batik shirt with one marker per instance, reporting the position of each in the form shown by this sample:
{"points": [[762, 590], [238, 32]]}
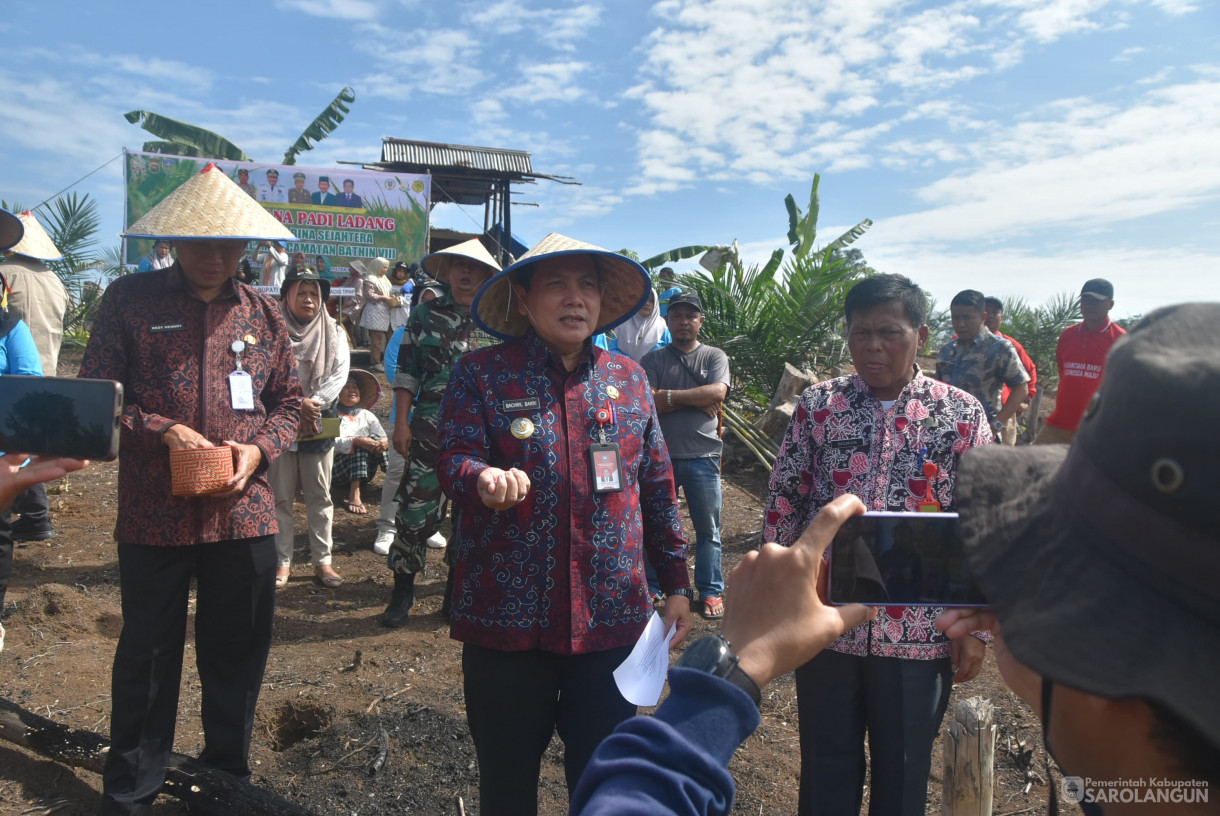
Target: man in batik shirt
{"points": [[870, 434]]}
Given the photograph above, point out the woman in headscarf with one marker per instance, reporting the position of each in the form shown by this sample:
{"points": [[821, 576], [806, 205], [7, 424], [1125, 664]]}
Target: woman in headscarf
{"points": [[322, 365], [378, 298], [159, 258], [639, 334]]}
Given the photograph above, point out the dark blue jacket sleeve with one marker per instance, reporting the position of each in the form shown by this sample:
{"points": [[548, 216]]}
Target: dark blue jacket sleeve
{"points": [[675, 761]]}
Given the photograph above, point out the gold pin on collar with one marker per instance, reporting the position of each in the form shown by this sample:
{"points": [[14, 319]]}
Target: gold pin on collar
{"points": [[611, 392]]}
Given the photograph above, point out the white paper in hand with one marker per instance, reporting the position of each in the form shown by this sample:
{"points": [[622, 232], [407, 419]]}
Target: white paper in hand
{"points": [[641, 677]]}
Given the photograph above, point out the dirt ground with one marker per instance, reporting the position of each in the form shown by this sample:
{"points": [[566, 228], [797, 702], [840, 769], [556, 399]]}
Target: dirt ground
{"points": [[337, 680]]}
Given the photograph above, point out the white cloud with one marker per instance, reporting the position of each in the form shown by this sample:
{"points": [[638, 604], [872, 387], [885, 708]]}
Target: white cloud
{"points": [[1127, 54], [335, 9], [549, 82], [436, 61], [1048, 20], [556, 28], [1144, 278]]}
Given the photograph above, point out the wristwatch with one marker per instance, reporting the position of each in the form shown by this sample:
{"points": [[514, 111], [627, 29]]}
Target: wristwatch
{"points": [[714, 656], [687, 593]]}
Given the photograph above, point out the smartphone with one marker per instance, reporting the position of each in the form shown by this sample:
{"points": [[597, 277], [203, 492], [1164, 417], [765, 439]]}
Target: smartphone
{"points": [[60, 416], [902, 559]]}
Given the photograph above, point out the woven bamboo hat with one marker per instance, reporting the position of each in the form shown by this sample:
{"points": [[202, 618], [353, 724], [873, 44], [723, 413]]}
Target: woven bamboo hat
{"points": [[11, 229], [370, 389], [209, 205], [624, 282], [35, 243], [437, 264]]}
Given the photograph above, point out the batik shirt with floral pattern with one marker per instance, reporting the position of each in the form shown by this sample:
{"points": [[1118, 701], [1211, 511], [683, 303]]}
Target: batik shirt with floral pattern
{"points": [[843, 440]]}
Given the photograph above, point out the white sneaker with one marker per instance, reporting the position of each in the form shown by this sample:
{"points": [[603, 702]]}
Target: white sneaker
{"points": [[437, 542], [1, 637], [384, 539]]}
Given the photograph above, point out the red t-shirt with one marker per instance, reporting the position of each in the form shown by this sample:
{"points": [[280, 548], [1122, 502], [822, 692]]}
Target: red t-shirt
{"points": [[1081, 357], [1029, 369]]}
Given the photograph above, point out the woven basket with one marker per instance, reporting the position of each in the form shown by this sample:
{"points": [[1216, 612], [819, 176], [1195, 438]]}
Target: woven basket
{"points": [[200, 471]]}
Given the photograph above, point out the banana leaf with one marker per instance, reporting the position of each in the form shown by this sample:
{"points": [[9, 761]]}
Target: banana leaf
{"points": [[329, 119], [851, 236], [679, 254], [205, 142], [803, 227]]}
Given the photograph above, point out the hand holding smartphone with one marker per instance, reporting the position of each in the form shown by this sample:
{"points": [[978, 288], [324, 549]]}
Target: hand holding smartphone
{"points": [[60, 416], [902, 559]]}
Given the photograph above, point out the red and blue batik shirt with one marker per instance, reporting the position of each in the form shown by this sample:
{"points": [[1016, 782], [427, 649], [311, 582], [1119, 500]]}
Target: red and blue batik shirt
{"points": [[562, 571]]}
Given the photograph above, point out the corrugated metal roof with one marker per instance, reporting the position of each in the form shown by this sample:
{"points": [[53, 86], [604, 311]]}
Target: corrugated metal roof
{"points": [[436, 156]]}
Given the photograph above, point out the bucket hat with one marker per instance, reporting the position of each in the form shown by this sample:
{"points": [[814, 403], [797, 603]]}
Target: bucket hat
{"points": [[304, 273], [437, 264], [209, 205], [625, 286], [370, 389], [35, 243], [11, 229], [1102, 559]]}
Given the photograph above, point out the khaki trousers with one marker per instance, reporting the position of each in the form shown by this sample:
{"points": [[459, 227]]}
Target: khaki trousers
{"points": [[311, 472], [1054, 435]]}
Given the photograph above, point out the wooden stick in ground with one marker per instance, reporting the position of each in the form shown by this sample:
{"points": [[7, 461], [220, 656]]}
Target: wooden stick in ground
{"points": [[969, 751], [207, 790]]}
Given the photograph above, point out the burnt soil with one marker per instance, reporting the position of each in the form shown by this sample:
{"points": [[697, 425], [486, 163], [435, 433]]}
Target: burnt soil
{"points": [[337, 679]]}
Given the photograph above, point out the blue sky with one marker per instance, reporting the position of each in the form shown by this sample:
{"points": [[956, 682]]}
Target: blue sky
{"points": [[1014, 146]]}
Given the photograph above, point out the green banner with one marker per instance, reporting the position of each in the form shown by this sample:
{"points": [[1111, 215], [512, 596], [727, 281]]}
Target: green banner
{"points": [[340, 215]]}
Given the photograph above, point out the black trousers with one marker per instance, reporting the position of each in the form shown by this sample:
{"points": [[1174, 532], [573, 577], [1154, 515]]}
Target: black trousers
{"points": [[32, 504], [899, 703], [516, 700], [235, 607]]}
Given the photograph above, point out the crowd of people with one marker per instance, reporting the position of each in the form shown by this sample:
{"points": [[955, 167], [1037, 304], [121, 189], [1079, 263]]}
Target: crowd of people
{"points": [[554, 409]]}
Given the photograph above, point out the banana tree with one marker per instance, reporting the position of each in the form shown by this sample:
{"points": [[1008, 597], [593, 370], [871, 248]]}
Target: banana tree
{"points": [[184, 139]]}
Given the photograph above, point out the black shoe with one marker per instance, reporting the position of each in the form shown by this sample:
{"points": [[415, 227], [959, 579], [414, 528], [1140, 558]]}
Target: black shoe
{"points": [[32, 531], [395, 615]]}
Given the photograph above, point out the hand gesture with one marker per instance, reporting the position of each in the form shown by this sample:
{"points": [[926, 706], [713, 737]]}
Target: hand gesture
{"points": [[502, 489]]}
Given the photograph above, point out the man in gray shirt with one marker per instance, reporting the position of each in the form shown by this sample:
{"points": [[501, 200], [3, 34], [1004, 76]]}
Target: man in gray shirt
{"points": [[689, 382]]}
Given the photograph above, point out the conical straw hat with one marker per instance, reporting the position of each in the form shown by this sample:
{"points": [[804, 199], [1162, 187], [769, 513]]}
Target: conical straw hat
{"points": [[209, 205], [370, 389], [11, 229], [624, 283], [437, 264], [36, 243]]}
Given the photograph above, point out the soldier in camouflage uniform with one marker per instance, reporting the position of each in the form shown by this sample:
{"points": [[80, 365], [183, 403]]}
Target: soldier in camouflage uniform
{"points": [[437, 334]]}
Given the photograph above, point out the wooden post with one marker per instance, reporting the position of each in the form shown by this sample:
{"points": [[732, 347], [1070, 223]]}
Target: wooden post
{"points": [[969, 751]]}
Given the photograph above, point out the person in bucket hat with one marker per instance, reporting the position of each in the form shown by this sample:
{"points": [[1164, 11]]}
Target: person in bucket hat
{"points": [[203, 362], [1101, 563], [37, 296], [322, 361], [552, 453], [437, 334]]}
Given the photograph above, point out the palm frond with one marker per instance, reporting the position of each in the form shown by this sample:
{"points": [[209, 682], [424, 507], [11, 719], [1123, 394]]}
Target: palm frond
{"points": [[851, 236], [321, 127]]}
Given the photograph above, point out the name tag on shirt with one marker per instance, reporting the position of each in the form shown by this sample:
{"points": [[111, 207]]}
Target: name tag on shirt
{"points": [[518, 405], [846, 443], [241, 389], [166, 327]]}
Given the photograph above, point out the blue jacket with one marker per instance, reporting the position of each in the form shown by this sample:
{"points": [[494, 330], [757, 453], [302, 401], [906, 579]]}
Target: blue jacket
{"points": [[675, 761], [18, 354]]}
